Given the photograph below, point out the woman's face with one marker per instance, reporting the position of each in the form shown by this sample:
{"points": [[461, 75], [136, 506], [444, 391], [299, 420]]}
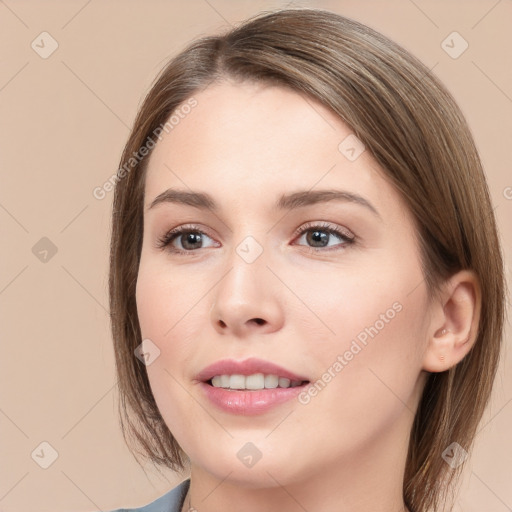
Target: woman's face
{"points": [[327, 287]]}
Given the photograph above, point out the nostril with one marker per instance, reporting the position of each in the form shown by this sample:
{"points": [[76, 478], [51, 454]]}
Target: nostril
{"points": [[259, 321]]}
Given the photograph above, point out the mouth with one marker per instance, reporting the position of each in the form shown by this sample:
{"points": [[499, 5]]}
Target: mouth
{"points": [[249, 374], [254, 382], [249, 387]]}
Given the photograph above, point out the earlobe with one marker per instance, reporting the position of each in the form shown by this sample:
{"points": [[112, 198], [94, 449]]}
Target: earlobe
{"points": [[454, 326]]}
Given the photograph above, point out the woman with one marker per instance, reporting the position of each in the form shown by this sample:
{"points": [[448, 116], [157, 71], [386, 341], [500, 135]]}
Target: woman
{"points": [[306, 283]]}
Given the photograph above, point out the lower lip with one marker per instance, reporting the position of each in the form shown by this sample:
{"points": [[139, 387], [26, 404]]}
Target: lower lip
{"points": [[249, 403]]}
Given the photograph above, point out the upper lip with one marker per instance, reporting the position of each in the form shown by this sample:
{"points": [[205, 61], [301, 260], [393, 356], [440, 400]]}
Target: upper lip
{"points": [[245, 367]]}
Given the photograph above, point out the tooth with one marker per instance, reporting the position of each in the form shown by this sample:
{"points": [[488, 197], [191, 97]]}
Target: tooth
{"points": [[271, 381], [284, 382], [237, 381], [255, 381]]}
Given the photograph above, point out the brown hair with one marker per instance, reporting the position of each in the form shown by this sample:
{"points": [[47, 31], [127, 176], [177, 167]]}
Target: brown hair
{"points": [[417, 134]]}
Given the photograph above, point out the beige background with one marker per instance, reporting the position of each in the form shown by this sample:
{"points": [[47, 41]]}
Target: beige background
{"points": [[64, 121]]}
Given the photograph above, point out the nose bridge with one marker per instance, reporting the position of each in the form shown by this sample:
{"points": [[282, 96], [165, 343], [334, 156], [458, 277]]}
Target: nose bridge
{"points": [[247, 265], [245, 296]]}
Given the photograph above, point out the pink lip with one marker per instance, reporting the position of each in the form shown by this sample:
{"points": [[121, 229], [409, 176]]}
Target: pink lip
{"points": [[246, 367], [247, 402]]}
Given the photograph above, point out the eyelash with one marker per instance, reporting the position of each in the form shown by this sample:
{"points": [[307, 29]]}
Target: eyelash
{"points": [[344, 235]]}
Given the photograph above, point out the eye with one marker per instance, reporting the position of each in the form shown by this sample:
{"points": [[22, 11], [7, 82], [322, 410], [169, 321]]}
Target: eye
{"points": [[321, 234], [187, 237]]}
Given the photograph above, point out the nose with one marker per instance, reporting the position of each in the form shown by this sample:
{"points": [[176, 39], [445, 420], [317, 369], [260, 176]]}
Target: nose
{"points": [[247, 300]]}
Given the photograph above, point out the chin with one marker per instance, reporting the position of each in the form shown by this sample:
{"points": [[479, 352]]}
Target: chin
{"points": [[269, 471]]}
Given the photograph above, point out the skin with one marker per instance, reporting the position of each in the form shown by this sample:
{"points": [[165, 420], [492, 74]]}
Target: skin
{"points": [[345, 450]]}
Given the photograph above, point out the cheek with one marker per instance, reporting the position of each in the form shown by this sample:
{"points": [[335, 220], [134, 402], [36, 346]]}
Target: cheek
{"points": [[370, 370], [168, 308], [377, 310], [370, 360], [165, 304], [164, 314]]}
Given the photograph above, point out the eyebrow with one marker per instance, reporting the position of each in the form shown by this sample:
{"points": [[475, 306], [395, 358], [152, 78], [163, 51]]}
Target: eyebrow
{"points": [[289, 201]]}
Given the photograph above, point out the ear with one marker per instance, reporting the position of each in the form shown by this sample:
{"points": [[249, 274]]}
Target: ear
{"points": [[454, 322]]}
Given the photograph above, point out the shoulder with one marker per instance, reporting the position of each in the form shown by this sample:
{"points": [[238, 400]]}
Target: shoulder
{"points": [[171, 501]]}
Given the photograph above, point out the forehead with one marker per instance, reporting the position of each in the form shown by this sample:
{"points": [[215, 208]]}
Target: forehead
{"points": [[235, 119], [245, 142]]}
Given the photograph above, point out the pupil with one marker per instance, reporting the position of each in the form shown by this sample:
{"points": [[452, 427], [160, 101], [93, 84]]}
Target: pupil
{"points": [[192, 238], [319, 236]]}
